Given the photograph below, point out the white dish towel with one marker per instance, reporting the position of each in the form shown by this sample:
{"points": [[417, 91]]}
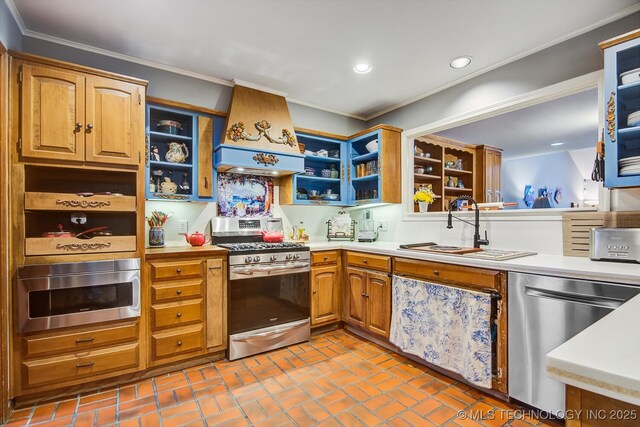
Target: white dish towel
{"points": [[446, 326]]}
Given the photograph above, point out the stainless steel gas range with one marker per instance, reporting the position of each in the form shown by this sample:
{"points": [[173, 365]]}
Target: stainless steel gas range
{"points": [[268, 288]]}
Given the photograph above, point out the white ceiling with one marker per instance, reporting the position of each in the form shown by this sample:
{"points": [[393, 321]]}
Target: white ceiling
{"points": [[572, 120], [308, 48]]}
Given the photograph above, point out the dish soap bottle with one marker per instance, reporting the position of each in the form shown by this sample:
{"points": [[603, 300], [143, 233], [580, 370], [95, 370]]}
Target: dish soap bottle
{"points": [[301, 230]]}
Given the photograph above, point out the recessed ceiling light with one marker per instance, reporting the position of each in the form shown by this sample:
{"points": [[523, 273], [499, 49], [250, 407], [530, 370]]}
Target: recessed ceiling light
{"points": [[556, 144], [274, 172], [240, 169], [362, 68], [460, 62]]}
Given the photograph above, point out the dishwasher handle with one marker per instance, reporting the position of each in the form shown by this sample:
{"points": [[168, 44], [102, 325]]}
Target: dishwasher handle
{"points": [[594, 300]]}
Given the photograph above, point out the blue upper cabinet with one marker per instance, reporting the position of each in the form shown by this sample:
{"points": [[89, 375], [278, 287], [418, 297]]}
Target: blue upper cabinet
{"points": [[622, 111], [361, 169], [324, 179], [180, 154]]}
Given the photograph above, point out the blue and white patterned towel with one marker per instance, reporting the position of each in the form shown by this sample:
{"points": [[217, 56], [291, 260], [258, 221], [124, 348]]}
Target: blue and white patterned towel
{"points": [[446, 326]]}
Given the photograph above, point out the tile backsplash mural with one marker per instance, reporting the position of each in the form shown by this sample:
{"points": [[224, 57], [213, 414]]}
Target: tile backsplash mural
{"points": [[244, 195]]}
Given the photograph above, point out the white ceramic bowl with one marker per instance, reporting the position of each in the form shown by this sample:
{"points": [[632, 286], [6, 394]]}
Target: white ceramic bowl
{"points": [[630, 76], [372, 146]]}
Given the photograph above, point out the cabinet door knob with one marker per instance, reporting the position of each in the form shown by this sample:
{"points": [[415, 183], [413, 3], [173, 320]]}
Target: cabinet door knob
{"points": [[179, 291], [178, 270], [89, 127], [363, 294], [178, 315], [365, 261], [436, 272], [78, 126], [325, 258], [315, 292], [179, 343]]}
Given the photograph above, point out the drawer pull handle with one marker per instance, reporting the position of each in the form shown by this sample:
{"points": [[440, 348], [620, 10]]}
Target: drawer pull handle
{"points": [[436, 272], [179, 291], [85, 365], [179, 315], [326, 258], [365, 261], [178, 270], [179, 343], [83, 340]]}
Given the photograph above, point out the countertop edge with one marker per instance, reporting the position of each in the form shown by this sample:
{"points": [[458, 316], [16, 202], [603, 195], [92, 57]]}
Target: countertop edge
{"points": [[184, 251]]}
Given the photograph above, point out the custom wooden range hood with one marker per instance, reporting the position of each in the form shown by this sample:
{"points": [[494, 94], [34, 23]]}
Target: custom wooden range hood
{"points": [[258, 136]]}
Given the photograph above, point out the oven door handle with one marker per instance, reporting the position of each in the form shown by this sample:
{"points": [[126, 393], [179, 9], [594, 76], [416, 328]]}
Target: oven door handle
{"points": [[277, 333], [247, 271], [280, 268]]}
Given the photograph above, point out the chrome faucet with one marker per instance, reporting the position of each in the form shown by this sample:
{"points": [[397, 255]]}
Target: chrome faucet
{"points": [[477, 241]]}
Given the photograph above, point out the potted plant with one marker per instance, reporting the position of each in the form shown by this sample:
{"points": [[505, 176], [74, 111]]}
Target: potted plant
{"points": [[424, 197]]}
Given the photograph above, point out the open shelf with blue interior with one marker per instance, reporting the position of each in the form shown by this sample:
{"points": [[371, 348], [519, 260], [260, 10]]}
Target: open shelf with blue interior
{"points": [[364, 184], [159, 142], [324, 180], [622, 141]]}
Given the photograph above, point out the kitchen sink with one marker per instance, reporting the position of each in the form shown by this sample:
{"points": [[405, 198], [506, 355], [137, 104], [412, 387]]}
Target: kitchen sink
{"points": [[489, 254]]}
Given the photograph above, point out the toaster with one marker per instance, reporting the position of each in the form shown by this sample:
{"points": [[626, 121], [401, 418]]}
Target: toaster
{"points": [[615, 244]]}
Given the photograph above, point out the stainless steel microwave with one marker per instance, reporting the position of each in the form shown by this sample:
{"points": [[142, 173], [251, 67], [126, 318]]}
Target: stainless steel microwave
{"points": [[51, 296]]}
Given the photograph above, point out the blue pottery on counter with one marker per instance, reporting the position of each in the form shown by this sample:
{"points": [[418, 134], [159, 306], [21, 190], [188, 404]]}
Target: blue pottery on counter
{"points": [[156, 236]]}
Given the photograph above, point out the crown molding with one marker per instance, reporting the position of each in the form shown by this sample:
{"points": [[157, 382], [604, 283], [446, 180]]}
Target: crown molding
{"points": [[238, 82], [181, 71]]}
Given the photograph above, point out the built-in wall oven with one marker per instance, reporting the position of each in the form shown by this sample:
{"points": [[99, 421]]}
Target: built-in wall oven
{"points": [[268, 288], [53, 296]]}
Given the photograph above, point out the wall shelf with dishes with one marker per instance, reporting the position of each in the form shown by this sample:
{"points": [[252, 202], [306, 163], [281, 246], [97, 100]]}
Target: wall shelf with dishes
{"points": [[346, 171], [323, 181], [622, 110], [179, 154], [444, 165]]}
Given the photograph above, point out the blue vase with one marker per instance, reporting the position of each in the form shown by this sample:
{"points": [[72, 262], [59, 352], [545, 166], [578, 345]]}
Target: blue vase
{"points": [[156, 236]]}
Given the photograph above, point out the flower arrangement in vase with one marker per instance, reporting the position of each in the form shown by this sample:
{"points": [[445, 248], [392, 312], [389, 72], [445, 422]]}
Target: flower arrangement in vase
{"points": [[424, 197]]}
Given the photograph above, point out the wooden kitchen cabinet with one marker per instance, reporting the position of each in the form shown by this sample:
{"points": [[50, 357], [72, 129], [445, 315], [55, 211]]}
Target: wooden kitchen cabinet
{"points": [[591, 409], [368, 292], [325, 300], [325, 287], [488, 179], [188, 307], [72, 356], [66, 113]]}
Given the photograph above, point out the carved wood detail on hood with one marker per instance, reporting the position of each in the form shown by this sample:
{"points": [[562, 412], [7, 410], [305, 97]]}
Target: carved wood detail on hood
{"points": [[259, 120]]}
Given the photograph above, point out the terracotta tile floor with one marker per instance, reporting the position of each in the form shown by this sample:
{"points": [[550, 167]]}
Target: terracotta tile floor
{"points": [[336, 379]]}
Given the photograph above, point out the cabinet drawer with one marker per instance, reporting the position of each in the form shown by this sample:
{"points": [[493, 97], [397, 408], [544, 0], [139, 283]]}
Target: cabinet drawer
{"points": [[172, 291], [83, 364], [73, 202], [325, 257], [174, 342], [176, 270], [448, 273], [176, 314], [73, 342], [72, 245], [374, 262]]}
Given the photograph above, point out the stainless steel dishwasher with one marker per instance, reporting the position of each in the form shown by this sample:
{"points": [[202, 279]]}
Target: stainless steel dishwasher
{"points": [[544, 312]]}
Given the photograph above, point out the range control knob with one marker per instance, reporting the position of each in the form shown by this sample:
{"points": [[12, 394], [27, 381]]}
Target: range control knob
{"points": [[256, 258], [247, 260], [296, 256], [274, 257], [289, 256]]}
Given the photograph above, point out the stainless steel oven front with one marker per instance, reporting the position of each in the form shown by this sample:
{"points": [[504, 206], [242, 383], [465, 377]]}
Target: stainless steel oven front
{"points": [[53, 296], [268, 305]]}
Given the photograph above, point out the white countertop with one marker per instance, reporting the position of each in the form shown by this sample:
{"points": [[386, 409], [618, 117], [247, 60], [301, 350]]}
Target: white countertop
{"points": [[544, 264], [605, 357]]}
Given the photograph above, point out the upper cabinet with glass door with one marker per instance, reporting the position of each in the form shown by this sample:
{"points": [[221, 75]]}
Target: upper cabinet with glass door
{"points": [[72, 113], [622, 110]]}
